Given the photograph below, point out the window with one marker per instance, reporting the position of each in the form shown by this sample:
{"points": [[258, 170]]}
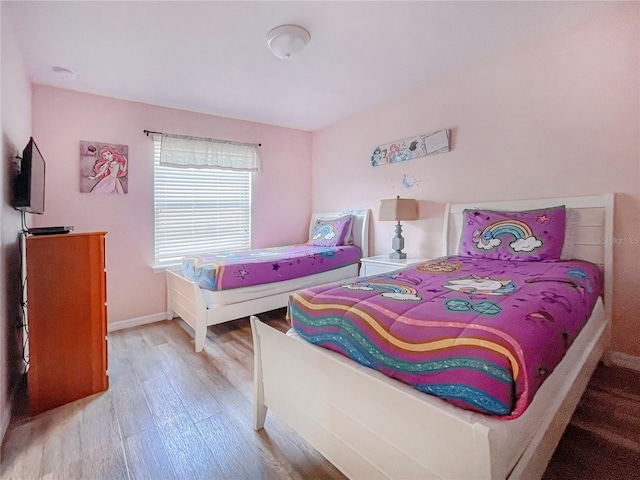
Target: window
{"points": [[198, 210]]}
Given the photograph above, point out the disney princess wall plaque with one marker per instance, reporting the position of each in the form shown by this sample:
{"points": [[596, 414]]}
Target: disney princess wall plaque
{"points": [[409, 148]]}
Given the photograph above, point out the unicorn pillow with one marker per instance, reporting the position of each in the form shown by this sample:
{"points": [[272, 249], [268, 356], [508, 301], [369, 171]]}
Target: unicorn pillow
{"points": [[332, 233], [521, 236]]}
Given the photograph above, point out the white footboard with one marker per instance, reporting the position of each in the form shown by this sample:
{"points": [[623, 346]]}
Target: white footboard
{"points": [[185, 300], [358, 422]]}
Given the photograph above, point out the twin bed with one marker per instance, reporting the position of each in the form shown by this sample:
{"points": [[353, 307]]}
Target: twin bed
{"points": [[210, 303], [372, 426]]}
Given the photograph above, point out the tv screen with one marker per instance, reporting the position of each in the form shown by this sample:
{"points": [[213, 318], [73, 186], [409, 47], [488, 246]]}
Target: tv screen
{"points": [[28, 185]]}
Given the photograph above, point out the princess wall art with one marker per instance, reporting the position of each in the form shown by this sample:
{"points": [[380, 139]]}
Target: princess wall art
{"points": [[104, 168]]}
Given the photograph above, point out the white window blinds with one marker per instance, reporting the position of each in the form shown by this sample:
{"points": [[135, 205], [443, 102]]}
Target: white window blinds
{"points": [[199, 210]]}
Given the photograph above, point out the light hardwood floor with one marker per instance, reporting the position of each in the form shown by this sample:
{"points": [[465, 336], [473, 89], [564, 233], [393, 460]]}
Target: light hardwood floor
{"points": [[168, 413], [172, 413]]}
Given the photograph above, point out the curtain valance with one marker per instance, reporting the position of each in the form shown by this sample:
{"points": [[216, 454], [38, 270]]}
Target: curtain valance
{"points": [[184, 151]]}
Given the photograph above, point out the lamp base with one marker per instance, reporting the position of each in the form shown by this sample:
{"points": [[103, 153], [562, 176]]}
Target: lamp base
{"points": [[397, 243]]}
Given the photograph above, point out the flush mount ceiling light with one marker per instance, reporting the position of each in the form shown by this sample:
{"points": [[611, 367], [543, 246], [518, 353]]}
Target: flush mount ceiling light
{"points": [[286, 41]]}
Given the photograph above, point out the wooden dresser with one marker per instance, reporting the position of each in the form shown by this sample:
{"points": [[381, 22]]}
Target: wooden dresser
{"points": [[67, 318]]}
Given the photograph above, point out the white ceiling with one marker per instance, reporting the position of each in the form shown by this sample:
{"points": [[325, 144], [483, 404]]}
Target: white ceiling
{"points": [[211, 57]]}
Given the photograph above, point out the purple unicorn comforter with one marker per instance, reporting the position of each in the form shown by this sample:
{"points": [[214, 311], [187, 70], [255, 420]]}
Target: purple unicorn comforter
{"points": [[483, 334], [223, 271]]}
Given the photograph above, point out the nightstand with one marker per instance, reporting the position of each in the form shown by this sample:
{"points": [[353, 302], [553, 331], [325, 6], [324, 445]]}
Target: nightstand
{"points": [[383, 264]]}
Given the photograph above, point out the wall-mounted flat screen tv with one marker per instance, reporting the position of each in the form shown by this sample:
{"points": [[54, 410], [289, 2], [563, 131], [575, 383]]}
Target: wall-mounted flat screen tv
{"points": [[28, 184]]}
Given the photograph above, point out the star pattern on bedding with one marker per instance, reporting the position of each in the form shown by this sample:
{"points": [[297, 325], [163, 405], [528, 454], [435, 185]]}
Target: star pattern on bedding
{"points": [[242, 273]]}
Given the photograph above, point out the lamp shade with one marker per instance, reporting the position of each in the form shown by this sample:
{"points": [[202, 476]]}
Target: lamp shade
{"points": [[397, 209]]}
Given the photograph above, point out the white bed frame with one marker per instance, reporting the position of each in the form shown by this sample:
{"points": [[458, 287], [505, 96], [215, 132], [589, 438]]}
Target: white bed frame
{"points": [[186, 299], [370, 426]]}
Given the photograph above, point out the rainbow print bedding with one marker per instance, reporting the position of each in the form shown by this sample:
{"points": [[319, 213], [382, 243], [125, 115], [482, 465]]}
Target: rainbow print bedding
{"points": [[245, 268], [480, 333]]}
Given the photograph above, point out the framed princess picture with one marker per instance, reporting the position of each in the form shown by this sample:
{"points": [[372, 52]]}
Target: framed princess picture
{"points": [[104, 168]]}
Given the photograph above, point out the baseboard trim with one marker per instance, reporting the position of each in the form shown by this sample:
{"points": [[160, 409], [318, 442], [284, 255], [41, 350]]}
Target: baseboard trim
{"points": [[624, 360], [136, 322], [7, 409], [5, 417]]}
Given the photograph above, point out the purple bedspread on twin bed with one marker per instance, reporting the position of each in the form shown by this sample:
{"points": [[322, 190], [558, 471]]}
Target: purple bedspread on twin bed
{"points": [[223, 271], [483, 334]]}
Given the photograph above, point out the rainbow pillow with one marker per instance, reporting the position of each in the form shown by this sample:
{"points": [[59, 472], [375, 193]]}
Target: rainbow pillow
{"points": [[332, 233], [522, 236]]}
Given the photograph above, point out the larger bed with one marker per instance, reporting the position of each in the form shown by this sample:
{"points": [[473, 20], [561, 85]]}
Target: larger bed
{"points": [[200, 307], [371, 426]]}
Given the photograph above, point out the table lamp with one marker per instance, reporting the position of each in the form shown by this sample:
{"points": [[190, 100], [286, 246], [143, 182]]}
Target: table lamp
{"points": [[397, 209]]}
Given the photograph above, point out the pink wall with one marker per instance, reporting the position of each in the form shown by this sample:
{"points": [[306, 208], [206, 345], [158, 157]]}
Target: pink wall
{"points": [[16, 129], [61, 119], [556, 117]]}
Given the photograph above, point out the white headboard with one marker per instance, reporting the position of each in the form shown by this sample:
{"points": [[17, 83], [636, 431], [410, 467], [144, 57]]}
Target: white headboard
{"points": [[589, 231], [360, 226]]}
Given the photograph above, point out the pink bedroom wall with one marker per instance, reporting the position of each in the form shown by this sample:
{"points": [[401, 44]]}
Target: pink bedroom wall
{"points": [[62, 118], [558, 116], [16, 129]]}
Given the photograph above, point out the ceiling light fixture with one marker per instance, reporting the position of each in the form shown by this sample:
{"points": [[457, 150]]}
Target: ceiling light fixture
{"points": [[286, 41]]}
